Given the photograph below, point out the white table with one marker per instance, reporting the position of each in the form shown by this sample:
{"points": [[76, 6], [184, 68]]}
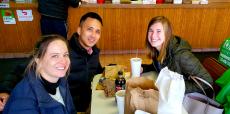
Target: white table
{"points": [[101, 104]]}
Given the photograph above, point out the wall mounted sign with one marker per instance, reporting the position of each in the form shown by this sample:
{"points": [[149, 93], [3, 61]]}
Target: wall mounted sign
{"points": [[24, 15], [4, 5], [8, 16]]}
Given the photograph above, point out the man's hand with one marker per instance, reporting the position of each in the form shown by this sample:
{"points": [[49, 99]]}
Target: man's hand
{"points": [[3, 99]]}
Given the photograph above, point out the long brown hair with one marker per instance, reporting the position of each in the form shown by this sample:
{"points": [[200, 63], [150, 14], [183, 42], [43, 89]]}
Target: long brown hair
{"points": [[168, 34], [41, 49]]}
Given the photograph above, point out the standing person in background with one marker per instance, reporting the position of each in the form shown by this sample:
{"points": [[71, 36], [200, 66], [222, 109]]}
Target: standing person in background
{"points": [[84, 57], [44, 89], [54, 15]]}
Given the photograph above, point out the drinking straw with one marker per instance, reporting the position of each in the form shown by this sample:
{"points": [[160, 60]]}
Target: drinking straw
{"points": [[137, 53]]}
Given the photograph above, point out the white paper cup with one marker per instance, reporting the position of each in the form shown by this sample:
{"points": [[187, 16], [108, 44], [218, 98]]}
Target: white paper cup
{"points": [[120, 98], [136, 67], [141, 112]]}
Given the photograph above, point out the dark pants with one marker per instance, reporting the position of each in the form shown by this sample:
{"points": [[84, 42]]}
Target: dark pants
{"points": [[50, 25], [82, 100]]}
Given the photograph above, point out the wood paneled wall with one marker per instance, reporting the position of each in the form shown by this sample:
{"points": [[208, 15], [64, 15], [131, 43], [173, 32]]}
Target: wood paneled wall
{"points": [[204, 26], [19, 37]]}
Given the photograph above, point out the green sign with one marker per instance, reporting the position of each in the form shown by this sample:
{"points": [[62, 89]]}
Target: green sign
{"points": [[224, 57], [8, 16]]}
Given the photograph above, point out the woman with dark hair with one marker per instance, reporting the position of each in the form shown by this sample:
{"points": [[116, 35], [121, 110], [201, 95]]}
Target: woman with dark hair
{"points": [[44, 89]]}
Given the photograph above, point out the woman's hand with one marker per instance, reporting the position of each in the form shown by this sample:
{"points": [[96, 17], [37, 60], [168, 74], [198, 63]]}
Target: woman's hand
{"points": [[141, 70], [3, 99]]}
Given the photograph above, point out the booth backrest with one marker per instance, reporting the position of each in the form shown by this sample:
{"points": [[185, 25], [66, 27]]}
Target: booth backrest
{"points": [[215, 69]]}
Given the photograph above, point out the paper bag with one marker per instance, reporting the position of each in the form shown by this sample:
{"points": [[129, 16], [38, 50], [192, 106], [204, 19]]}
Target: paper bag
{"points": [[196, 103], [140, 92], [171, 92], [146, 100]]}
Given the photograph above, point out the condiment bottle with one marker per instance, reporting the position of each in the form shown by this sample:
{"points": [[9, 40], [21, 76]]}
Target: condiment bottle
{"points": [[120, 82]]}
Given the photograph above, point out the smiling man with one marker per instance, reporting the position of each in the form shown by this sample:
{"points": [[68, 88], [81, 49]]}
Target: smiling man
{"points": [[84, 57]]}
